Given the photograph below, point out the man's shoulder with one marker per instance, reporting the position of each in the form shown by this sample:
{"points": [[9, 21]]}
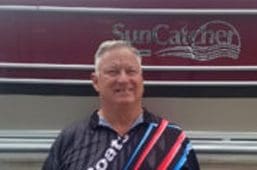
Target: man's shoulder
{"points": [[172, 129], [76, 127], [70, 137], [80, 127], [76, 130], [69, 141], [155, 118]]}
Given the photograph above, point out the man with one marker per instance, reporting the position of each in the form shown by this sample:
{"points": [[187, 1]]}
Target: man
{"points": [[121, 134]]}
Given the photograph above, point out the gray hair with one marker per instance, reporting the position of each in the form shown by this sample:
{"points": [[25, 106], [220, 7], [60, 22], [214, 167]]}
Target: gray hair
{"points": [[111, 44]]}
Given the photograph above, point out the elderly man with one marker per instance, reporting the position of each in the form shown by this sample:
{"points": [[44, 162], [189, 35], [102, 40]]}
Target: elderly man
{"points": [[121, 134]]}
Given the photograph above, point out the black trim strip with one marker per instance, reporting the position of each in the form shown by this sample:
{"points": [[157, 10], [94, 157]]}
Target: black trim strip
{"points": [[150, 91]]}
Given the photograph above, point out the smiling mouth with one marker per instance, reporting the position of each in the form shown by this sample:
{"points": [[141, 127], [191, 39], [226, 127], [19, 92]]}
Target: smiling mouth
{"points": [[123, 90]]}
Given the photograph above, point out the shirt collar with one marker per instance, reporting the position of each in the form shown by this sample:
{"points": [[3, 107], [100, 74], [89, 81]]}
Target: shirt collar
{"points": [[145, 117], [104, 122]]}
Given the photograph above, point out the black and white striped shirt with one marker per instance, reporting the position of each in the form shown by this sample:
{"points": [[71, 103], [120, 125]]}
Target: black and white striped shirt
{"points": [[152, 144]]}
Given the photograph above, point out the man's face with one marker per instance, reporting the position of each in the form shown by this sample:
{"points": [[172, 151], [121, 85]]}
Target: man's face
{"points": [[120, 78]]}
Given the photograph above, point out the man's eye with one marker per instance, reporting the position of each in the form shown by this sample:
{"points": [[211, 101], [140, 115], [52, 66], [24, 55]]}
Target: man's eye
{"points": [[132, 72], [112, 72]]}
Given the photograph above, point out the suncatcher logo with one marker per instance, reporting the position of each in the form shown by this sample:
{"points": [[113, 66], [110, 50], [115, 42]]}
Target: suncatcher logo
{"points": [[211, 40]]}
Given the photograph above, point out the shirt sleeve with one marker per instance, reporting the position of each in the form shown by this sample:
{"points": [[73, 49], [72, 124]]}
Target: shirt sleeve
{"points": [[52, 161]]}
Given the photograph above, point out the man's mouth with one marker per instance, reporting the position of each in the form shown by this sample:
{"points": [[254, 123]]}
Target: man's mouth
{"points": [[123, 90]]}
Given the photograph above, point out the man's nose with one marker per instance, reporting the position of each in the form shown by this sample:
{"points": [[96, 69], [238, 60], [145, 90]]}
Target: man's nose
{"points": [[123, 76]]}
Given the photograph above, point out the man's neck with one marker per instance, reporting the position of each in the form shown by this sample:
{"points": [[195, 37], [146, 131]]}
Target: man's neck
{"points": [[121, 119]]}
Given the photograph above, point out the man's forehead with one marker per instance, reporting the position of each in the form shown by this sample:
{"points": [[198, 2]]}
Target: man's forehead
{"points": [[119, 56], [119, 62]]}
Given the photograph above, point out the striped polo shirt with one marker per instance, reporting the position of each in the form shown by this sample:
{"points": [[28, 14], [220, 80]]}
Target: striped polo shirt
{"points": [[151, 144]]}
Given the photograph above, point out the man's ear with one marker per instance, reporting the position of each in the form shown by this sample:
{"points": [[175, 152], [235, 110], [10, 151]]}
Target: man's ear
{"points": [[94, 79]]}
